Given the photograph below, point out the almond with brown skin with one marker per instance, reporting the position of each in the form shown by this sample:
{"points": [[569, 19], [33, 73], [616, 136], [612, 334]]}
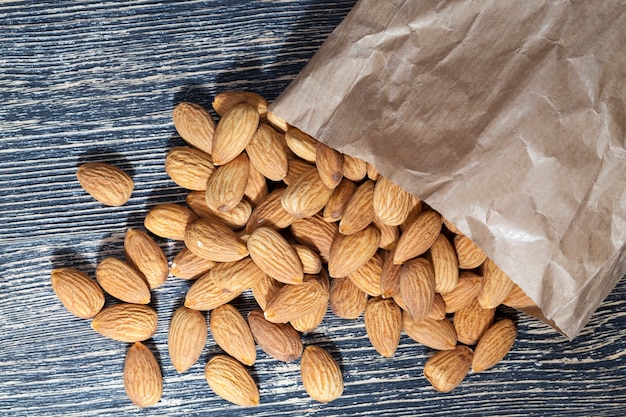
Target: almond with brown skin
{"points": [[349, 253], [195, 125], [367, 277], [464, 293], [235, 218], [417, 209], [205, 294], [334, 208], [472, 321], [383, 324], [494, 345], [435, 334], [238, 276], [233, 132], [232, 333], [372, 172], [392, 204], [80, 294], [311, 321], [445, 370], [279, 340], [126, 322], [187, 337], [187, 265], [445, 264], [359, 212], [295, 168], [275, 256], [268, 153], [329, 164], [315, 233], [276, 122], [143, 381], [354, 169], [470, 256], [438, 309], [229, 379], [228, 99], [311, 262], [306, 195], [227, 186], [451, 227], [496, 285], [106, 183], [301, 144], [270, 212], [390, 277], [212, 239], [122, 281], [169, 220], [188, 167], [321, 375], [346, 299], [417, 287], [517, 298], [294, 301], [256, 188], [265, 289], [388, 235], [418, 237], [146, 256]]}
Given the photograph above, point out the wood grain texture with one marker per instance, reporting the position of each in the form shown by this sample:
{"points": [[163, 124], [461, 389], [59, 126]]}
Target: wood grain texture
{"points": [[96, 81]]}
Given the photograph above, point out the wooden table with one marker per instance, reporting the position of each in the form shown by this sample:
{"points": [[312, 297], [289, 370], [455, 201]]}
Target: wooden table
{"points": [[96, 81]]}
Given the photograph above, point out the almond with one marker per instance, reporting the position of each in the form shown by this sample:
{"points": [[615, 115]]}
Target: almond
{"points": [[78, 293], [315, 233], [233, 132], [227, 100], [496, 285], [417, 287], [276, 122], [235, 218], [227, 186], [438, 309], [358, 212], [390, 277], [494, 345], [187, 337], [311, 262], [212, 239], [301, 144], [232, 333], [188, 167], [372, 172], [517, 298], [334, 208], [388, 234], [354, 169], [122, 281], [383, 324], [279, 340], [275, 256], [205, 294], [346, 299], [256, 188], [445, 370], [270, 212], [169, 220], [435, 334], [418, 237], [329, 164], [265, 289], [464, 293], [297, 167], [311, 321], [349, 253], [445, 264], [268, 153], [451, 227], [235, 277], [106, 183], [126, 322], [391, 203], [294, 301], [472, 321], [195, 125], [469, 254], [306, 195], [143, 381], [367, 277], [321, 376], [187, 265], [146, 256], [229, 379]]}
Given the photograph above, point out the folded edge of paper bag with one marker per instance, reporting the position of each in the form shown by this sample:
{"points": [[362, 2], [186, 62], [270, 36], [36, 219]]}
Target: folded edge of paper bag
{"points": [[507, 118]]}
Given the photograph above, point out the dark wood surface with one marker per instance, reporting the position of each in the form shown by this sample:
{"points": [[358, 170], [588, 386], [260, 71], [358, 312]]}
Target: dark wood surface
{"points": [[96, 81]]}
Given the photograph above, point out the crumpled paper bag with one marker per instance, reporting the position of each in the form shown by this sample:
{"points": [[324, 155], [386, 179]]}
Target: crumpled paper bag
{"points": [[509, 118]]}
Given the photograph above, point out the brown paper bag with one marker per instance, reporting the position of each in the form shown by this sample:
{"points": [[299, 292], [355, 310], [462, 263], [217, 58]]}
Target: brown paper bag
{"points": [[509, 118]]}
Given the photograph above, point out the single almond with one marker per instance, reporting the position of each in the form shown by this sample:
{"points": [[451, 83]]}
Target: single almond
{"points": [[329, 164], [334, 208], [312, 320], [279, 340], [169, 220], [346, 299], [496, 285], [204, 294], [321, 375], [233, 132], [276, 122], [106, 183], [388, 235], [391, 203], [445, 264], [235, 218], [195, 125], [367, 277], [187, 265], [238, 276], [226, 187], [301, 144], [143, 253], [464, 293], [383, 324], [294, 301], [354, 169], [188, 167], [256, 188], [223, 102], [306, 195], [435, 334], [311, 262], [78, 293], [143, 381], [451, 227], [470, 256], [297, 167], [268, 153], [270, 212], [349, 253], [438, 309], [390, 277], [494, 345], [418, 236], [232, 333], [212, 239], [315, 233], [472, 321], [359, 212], [126, 322], [186, 338], [229, 379], [275, 256], [417, 287], [446, 369], [122, 281], [372, 172], [265, 289]]}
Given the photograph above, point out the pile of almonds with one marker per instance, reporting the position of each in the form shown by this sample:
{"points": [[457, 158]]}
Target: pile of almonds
{"points": [[303, 227]]}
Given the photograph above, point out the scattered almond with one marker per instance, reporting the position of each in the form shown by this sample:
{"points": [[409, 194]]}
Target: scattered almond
{"points": [[187, 337], [229, 379], [106, 183], [142, 376], [80, 294], [232, 333], [321, 376], [126, 322]]}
